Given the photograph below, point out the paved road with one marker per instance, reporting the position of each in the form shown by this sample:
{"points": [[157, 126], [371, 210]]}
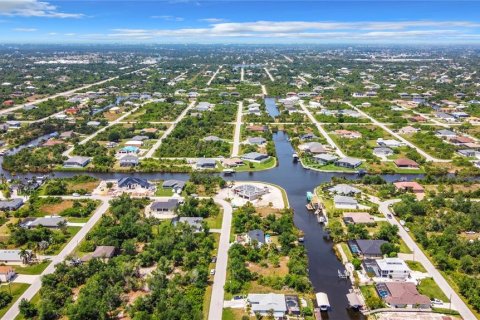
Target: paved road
{"points": [[303, 79], [396, 135], [238, 127], [264, 90], [242, 74], [322, 131], [152, 150], [457, 303], [268, 74], [68, 249], [288, 58], [216, 302], [214, 75]]}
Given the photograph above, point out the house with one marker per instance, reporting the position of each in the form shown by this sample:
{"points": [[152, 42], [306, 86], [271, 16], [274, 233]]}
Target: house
{"points": [[101, 252], [212, 139], [7, 273], [13, 124], [469, 153], [134, 143], [312, 147], [408, 130], [402, 295], [76, 162], [258, 128], [66, 135], [393, 268], [264, 304], [460, 140], [444, 133], [11, 205], [52, 142], [130, 183], [47, 222], [357, 218], [129, 150], [139, 138], [348, 162], [205, 163], [176, 185], [93, 123], [344, 189], [256, 236], [411, 186], [164, 206], [255, 157], [232, 162], [389, 143], [345, 202], [129, 161], [256, 140], [406, 163], [418, 119], [445, 117], [195, 222], [325, 158], [367, 248], [14, 256], [347, 134], [250, 192], [382, 151]]}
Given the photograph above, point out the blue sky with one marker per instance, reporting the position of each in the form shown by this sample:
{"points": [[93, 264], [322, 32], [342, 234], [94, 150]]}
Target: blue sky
{"points": [[183, 21]]}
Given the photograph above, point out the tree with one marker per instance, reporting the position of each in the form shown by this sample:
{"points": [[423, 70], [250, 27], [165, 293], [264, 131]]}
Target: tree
{"points": [[5, 299], [27, 309], [25, 255]]}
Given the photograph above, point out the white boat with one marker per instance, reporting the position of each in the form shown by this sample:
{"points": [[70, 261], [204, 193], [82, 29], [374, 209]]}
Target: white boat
{"points": [[228, 171], [322, 301], [295, 156]]}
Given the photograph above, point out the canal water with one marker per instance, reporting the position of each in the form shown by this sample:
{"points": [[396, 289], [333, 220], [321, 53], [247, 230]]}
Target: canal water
{"points": [[323, 264], [271, 107]]}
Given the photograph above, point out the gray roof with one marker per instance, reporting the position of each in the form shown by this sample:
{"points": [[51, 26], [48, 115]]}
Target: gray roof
{"points": [[206, 162], [129, 159], [77, 160], [325, 157], [139, 138], [126, 181], [169, 204], [257, 235], [256, 140], [177, 184], [49, 222], [345, 200], [370, 247], [445, 132], [11, 204], [195, 222], [263, 303], [254, 156], [383, 150], [11, 255], [212, 138], [344, 189], [351, 161]]}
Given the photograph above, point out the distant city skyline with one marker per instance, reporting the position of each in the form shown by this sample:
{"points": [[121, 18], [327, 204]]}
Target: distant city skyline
{"points": [[283, 22]]}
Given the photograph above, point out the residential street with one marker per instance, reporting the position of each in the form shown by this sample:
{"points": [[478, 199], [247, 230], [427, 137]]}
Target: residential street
{"points": [[457, 303], [216, 302], [238, 130], [68, 249], [322, 130]]}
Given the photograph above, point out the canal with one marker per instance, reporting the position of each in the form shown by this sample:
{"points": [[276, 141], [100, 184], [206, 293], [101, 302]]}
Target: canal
{"points": [[271, 107], [296, 180]]}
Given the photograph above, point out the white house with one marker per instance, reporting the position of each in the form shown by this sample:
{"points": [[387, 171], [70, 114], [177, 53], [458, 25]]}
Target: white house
{"points": [[345, 202], [393, 268], [263, 304]]}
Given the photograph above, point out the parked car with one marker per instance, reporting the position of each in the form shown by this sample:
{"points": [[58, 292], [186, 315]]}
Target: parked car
{"points": [[436, 301], [389, 216], [212, 272], [214, 259], [75, 194]]}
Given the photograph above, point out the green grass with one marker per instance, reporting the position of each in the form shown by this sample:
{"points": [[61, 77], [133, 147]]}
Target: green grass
{"points": [[206, 301], [268, 164], [429, 288], [161, 192], [35, 300], [17, 290], [403, 247], [78, 220], [346, 250], [228, 314], [415, 266], [72, 231], [215, 222], [32, 269]]}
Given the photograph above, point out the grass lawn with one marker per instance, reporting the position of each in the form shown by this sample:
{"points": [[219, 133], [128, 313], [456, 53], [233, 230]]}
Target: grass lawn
{"points": [[215, 222], [78, 220], [403, 247], [17, 290], [234, 314], [415, 266], [32, 269], [429, 288], [72, 231], [270, 163], [206, 301], [347, 251], [161, 192]]}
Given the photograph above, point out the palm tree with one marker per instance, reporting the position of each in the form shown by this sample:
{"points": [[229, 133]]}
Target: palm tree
{"points": [[25, 255]]}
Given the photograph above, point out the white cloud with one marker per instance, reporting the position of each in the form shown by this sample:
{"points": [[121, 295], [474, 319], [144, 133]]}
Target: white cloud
{"points": [[24, 29], [212, 20], [168, 18], [33, 8], [69, 34]]}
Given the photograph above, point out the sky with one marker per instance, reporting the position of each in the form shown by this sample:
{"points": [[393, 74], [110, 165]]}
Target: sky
{"points": [[225, 21]]}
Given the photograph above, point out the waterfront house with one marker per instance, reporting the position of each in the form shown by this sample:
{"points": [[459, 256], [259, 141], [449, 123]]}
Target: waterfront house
{"points": [[406, 163], [393, 268], [205, 163], [367, 248], [265, 304], [345, 202], [256, 140], [250, 191], [312, 147], [129, 161], [325, 158], [402, 295], [347, 162], [255, 237], [129, 183], [255, 157], [176, 185], [76, 162], [344, 190]]}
